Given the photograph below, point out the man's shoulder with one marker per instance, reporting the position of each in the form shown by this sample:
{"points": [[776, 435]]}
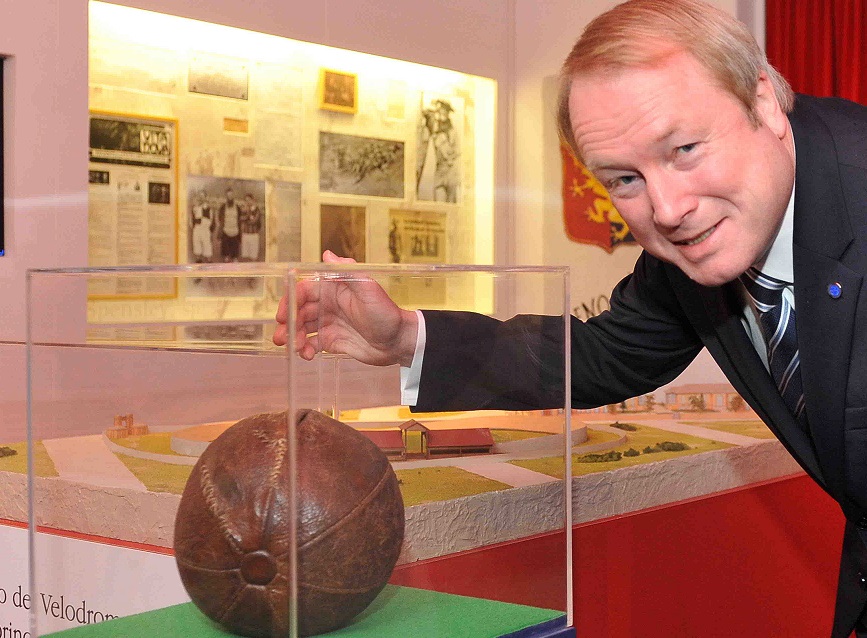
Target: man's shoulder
{"points": [[833, 107], [841, 122], [841, 117]]}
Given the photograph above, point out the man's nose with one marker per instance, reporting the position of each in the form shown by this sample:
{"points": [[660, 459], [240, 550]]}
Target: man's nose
{"points": [[672, 197]]}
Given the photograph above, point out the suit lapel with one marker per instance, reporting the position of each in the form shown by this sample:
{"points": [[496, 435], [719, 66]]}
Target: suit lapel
{"points": [[715, 314], [825, 324], [825, 327]]}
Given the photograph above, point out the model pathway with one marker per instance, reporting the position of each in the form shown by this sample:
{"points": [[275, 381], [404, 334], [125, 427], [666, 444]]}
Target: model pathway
{"points": [[86, 459], [503, 472]]}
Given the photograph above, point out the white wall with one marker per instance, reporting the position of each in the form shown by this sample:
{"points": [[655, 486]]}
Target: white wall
{"points": [[520, 43], [46, 85], [46, 113]]}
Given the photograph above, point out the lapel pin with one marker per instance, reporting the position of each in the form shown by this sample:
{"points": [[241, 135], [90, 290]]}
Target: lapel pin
{"points": [[835, 290]]}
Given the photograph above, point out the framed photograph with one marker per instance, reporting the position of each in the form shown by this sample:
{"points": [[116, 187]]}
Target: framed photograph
{"points": [[338, 91], [366, 166], [344, 231]]}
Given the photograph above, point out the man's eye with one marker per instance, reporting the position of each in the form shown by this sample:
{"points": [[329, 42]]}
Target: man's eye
{"points": [[623, 180], [687, 148]]}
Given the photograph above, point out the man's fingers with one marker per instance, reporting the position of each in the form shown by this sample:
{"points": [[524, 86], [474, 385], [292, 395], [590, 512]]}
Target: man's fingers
{"points": [[307, 345], [282, 313], [309, 314], [329, 257], [280, 335]]}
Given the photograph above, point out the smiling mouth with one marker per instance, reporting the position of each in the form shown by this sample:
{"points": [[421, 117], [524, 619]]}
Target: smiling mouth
{"points": [[697, 240]]}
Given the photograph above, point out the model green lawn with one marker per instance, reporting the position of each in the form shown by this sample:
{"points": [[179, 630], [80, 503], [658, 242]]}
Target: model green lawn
{"points": [[640, 439], [156, 475], [421, 485], [18, 462], [418, 485], [428, 484], [155, 443], [755, 429]]}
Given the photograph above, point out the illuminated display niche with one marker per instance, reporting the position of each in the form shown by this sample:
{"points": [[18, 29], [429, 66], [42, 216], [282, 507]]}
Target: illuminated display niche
{"points": [[380, 159]]}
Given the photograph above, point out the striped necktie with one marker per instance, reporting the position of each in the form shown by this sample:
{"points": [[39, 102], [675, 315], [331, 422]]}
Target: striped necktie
{"points": [[777, 322]]}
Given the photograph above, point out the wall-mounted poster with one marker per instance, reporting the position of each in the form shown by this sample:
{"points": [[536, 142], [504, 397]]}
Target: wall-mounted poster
{"points": [[417, 237], [338, 91], [365, 166], [219, 75], [344, 231], [438, 155], [132, 200]]}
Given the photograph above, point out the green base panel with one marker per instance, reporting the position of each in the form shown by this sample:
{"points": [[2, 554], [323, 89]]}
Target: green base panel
{"points": [[397, 612]]}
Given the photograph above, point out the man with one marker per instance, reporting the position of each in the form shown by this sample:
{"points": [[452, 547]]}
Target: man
{"points": [[201, 223], [447, 152], [251, 227], [734, 189], [229, 218]]}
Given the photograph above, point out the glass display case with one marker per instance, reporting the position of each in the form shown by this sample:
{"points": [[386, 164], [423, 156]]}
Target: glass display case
{"points": [[189, 477]]}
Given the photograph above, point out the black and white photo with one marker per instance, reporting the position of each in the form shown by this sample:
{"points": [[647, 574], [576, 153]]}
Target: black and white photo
{"points": [[438, 151], [344, 231], [226, 222], [355, 165]]}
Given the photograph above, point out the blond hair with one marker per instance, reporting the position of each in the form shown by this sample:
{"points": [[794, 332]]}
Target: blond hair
{"points": [[642, 33]]}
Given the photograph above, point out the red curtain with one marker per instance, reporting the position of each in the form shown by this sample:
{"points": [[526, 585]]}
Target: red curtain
{"points": [[820, 46]]}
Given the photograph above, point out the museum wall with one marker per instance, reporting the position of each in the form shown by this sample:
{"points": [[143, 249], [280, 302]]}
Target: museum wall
{"points": [[511, 41], [47, 104]]}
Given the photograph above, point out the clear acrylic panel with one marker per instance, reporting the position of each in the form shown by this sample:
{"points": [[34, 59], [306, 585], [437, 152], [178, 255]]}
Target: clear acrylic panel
{"points": [[163, 466], [479, 461]]}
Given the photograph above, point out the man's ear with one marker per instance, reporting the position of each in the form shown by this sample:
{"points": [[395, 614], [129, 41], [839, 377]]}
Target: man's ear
{"points": [[768, 109]]}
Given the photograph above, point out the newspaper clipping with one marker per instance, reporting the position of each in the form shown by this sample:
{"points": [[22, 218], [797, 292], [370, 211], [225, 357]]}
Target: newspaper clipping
{"points": [[133, 201]]}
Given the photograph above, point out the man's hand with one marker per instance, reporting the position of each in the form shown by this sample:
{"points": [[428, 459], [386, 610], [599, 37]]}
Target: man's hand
{"points": [[348, 315]]}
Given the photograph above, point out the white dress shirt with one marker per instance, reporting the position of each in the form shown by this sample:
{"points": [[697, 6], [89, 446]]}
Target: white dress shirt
{"points": [[778, 262]]}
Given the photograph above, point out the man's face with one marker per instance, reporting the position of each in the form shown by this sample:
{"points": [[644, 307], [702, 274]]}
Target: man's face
{"points": [[699, 185], [230, 196]]}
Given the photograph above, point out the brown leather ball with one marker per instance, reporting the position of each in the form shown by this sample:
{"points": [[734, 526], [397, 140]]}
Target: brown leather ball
{"points": [[232, 542]]}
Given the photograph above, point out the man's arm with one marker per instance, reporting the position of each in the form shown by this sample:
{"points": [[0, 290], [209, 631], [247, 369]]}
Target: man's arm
{"points": [[475, 362]]}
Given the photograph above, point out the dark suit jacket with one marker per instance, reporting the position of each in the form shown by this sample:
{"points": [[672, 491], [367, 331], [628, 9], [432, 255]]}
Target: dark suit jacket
{"points": [[659, 320]]}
